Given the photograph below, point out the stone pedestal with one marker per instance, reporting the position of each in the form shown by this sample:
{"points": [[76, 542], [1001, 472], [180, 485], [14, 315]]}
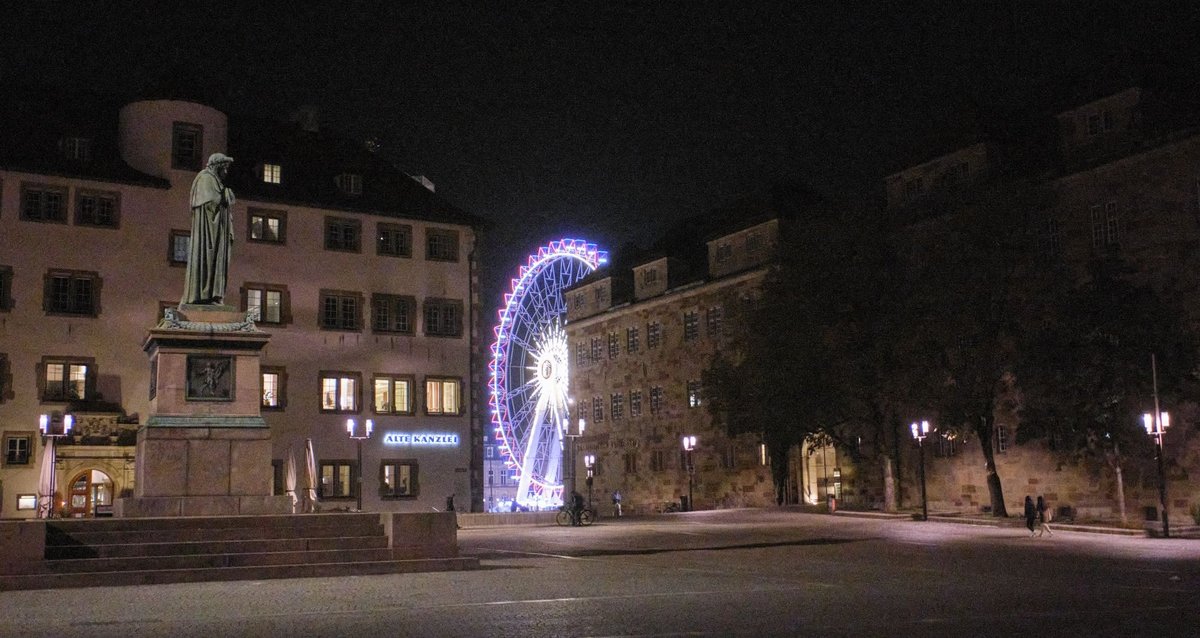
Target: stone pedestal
{"points": [[205, 449]]}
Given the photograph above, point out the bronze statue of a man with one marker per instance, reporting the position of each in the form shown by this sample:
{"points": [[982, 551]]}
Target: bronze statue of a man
{"points": [[212, 234]]}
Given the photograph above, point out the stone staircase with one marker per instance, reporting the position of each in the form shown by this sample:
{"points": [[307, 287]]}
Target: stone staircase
{"points": [[143, 551]]}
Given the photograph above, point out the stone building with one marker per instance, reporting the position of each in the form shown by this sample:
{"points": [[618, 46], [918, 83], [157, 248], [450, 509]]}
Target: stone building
{"points": [[1121, 179], [642, 331], [364, 278]]}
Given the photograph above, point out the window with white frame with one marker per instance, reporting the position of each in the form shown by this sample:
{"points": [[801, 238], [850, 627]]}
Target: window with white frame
{"points": [[635, 403], [18, 448], [617, 406], [631, 340], [178, 246], [66, 379], [339, 392], [1002, 441], [442, 396], [272, 173], [274, 388], [393, 394], [267, 301], [267, 226], [597, 349], [614, 345], [653, 334], [656, 399], [597, 409]]}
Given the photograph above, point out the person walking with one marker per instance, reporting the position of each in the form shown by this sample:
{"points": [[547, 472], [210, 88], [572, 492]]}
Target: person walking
{"points": [[1030, 514], [1043, 516], [616, 499]]}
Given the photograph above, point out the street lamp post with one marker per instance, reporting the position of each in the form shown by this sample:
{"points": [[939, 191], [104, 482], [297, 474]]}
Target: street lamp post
{"points": [[570, 453], [1156, 424], [54, 426], [689, 444], [589, 461], [919, 432], [358, 439]]}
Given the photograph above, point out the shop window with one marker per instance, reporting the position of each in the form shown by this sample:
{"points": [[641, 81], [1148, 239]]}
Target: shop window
{"points": [[336, 480]]}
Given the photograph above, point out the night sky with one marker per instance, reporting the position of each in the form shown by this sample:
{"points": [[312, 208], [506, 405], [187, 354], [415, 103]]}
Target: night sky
{"points": [[608, 120]]}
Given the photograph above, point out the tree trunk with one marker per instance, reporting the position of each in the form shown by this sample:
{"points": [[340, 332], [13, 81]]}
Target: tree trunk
{"points": [[987, 428], [1115, 462], [889, 485]]}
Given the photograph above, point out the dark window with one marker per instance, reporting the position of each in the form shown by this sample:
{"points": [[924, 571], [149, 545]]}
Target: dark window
{"points": [[42, 203], [342, 234], [274, 388], [691, 325], [66, 379], [393, 394], [614, 345], [178, 247], [658, 461], [597, 409], [340, 310], [631, 340], [339, 392], [441, 245], [187, 146], [350, 183], [17, 449], [724, 253], [6, 275], [72, 293], [393, 240], [653, 335], [95, 208], [635, 403], [631, 463], [716, 322], [393, 313], [337, 479], [267, 226], [5, 379], [443, 318], [271, 301], [656, 399], [78, 149], [398, 479], [581, 354], [597, 351], [617, 406]]}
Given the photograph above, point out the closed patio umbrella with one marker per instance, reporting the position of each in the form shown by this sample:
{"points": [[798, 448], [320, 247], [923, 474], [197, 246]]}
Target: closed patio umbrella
{"points": [[310, 467], [289, 476], [46, 480]]}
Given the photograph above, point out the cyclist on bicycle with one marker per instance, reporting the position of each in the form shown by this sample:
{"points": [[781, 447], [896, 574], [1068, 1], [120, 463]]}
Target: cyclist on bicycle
{"points": [[576, 508]]}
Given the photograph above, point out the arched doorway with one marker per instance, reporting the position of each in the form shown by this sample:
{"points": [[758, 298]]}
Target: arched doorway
{"points": [[88, 489]]}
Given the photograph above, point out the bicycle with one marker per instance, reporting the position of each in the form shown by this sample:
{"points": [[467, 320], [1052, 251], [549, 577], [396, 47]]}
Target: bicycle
{"points": [[587, 516]]}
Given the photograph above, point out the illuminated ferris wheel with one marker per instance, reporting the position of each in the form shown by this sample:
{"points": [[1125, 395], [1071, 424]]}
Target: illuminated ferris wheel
{"points": [[528, 383]]}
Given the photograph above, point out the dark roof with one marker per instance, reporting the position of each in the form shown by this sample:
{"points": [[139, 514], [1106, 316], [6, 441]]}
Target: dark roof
{"points": [[312, 160], [33, 123]]}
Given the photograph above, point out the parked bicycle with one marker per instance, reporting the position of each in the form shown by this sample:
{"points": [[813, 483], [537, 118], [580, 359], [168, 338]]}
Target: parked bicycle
{"points": [[565, 516]]}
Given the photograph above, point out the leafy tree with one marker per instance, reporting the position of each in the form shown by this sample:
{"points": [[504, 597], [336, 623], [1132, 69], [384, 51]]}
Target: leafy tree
{"points": [[1084, 371]]}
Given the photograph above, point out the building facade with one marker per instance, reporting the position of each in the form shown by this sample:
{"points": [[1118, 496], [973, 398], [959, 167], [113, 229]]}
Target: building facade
{"points": [[364, 278]]}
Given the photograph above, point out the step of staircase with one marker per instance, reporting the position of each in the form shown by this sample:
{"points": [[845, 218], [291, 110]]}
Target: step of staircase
{"points": [[100, 552]]}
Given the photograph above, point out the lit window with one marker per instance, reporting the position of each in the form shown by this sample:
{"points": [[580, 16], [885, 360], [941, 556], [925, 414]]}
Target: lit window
{"points": [[693, 394], [272, 173], [267, 226], [393, 394], [398, 479], [274, 388], [442, 396], [336, 479], [339, 391], [65, 379], [267, 301]]}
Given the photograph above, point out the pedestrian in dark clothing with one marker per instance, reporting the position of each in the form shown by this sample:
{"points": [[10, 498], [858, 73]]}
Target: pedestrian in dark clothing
{"points": [[1043, 516], [1030, 514]]}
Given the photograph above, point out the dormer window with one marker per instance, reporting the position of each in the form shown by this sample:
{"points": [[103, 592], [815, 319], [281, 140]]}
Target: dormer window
{"points": [[1100, 122], [724, 253], [272, 173], [78, 149], [350, 183], [650, 276], [753, 243]]}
